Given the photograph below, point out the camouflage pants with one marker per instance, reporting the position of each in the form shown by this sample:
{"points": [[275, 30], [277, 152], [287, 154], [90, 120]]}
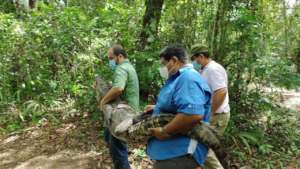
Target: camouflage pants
{"points": [[220, 122]]}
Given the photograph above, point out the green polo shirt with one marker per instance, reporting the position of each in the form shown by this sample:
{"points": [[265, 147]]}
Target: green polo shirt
{"points": [[126, 78]]}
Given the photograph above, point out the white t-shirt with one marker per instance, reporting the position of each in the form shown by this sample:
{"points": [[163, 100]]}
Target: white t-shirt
{"points": [[216, 77]]}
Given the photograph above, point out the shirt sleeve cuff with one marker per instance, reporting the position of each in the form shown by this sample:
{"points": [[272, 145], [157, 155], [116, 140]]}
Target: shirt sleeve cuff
{"points": [[192, 109], [118, 86], [215, 88]]}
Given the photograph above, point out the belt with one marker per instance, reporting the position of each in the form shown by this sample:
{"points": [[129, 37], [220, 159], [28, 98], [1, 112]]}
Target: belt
{"points": [[220, 113]]}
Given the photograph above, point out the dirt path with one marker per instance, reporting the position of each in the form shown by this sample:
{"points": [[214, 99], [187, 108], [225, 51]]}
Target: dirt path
{"points": [[291, 100], [76, 144]]}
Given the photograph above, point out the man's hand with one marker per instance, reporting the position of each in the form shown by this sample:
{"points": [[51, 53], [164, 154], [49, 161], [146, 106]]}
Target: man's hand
{"points": [[159, 133], [101, 105], [149, 108]]}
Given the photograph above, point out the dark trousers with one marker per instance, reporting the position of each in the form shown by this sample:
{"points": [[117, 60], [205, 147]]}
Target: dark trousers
{"points": [[118, 151], [183, 162]]}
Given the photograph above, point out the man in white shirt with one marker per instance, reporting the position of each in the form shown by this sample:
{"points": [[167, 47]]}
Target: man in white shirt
{"points": [[216, 76]]}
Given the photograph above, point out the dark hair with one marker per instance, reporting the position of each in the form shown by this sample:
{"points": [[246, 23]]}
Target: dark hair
{"points": [[204, 53], [174, 50], [119, 50]]}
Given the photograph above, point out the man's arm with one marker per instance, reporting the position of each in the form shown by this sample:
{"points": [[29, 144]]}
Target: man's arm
{"points": [[190, 102], [218, 98], [119, 83], [112, 94], [181, 124], [217, 79]]}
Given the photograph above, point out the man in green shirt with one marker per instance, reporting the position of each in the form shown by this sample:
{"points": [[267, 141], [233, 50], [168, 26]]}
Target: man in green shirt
{"points": [[125, 85]]}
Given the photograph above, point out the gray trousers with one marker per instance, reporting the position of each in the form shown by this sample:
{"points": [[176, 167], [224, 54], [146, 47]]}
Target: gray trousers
{"points": [[183, 162]]}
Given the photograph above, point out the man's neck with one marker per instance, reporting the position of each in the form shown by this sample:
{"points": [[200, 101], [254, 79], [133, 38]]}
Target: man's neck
{"points": [[206, 63], [178, 67]]}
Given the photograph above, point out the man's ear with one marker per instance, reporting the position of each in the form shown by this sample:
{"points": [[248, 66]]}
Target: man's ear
{"points": [[120, 56], [175, 58], [194, 57]]}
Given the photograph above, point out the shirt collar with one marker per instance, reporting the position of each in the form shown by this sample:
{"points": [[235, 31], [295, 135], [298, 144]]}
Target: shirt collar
{"points": [[204, 67], [125, 61], [181, 70], [185, 67]]}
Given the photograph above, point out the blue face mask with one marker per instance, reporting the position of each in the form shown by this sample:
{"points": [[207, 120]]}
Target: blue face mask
{"points": [[196, 65], [112, 64]]}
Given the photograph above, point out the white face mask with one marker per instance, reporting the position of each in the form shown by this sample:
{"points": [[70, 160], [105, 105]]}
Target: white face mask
{"points": [[163, 71]]}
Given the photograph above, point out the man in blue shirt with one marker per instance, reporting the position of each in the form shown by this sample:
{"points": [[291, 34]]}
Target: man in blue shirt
{"points": [[188, 96]]}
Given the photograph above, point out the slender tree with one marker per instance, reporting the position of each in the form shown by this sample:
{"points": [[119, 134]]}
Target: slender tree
{"points": [[217, 35], [151, 21]]}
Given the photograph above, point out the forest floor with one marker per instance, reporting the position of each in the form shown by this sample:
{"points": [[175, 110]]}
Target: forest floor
{"points": [[76, 143]]}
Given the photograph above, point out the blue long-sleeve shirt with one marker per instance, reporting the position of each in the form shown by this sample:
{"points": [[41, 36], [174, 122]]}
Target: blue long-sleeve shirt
{"points": [[184, 92]]}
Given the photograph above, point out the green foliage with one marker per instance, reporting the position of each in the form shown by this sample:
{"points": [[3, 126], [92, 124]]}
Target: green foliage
{"points": [[264, 139], [41, 50], [51, 54], [147, 64], [7, 6]]}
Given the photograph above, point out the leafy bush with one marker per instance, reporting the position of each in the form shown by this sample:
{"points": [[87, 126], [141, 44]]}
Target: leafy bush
{"points": [[51, 54]]}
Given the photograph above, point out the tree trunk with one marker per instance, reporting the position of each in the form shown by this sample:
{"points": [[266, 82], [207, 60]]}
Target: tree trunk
{"points": [[298, 62], [297, 57], [33, 4], [25, 5], [285, 25], [218, 35], [150, 22]]}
